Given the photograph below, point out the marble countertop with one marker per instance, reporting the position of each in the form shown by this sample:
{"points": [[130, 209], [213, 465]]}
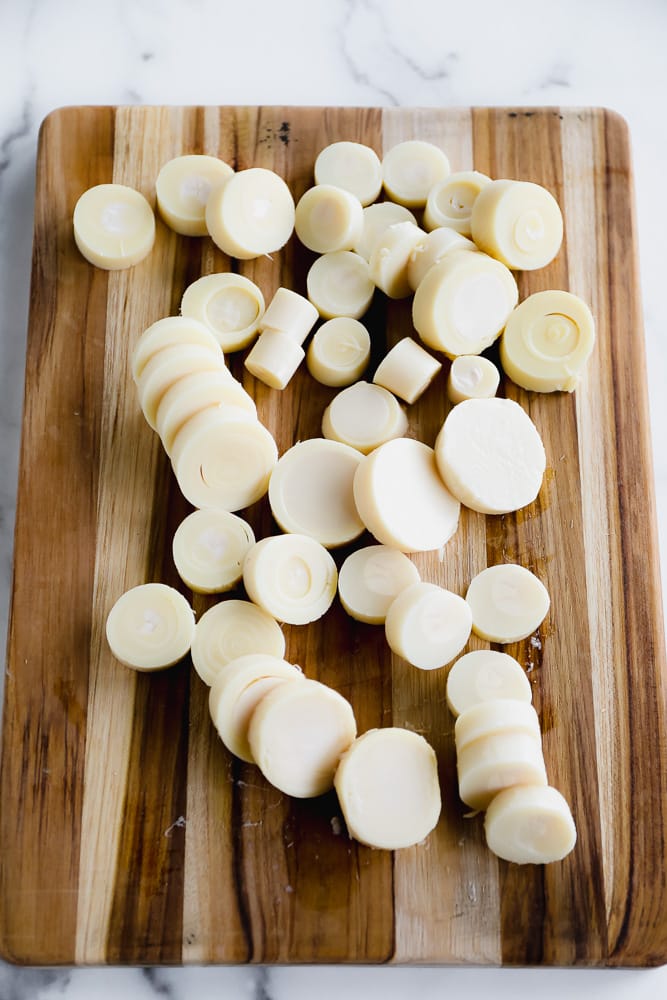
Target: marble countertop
{"points": [[351, 52]]}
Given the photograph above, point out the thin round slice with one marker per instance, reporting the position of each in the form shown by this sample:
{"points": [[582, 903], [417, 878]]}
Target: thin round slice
{"points": [[411, 169], [230, 305], [169, 366], [472, 377], [297, 735], [431, 250], [388, 789], [150, 627], [209, 547], [401, 498], [485, 675], [499, 715], [490, 455], [291, 577], [407, 370], [451, 201], [390, 257], [251, 214], [172, 331], [339, 351], [328, 218], [290, 313], [194, 393], [352, 166], [493, 763], [274, 358], [376, 219], [183, 187], [114, 226], [238, 690], [427, 625], [230, 630], [518, 223], [508, 603], [339, 284], [364, 416], [371, 578], [530, 825]]}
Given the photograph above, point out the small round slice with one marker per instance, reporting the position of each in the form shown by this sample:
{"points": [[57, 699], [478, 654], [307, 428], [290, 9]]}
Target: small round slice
{"points": [[230, 306], [364, 416], [150, 627], [371, 578], [499, 715], [451, 201], [508, 603], [250, 214], [530, 825], [411, 169], [472, 377], [230, 630], [390, 257], [172, 331], [427, 625], [292, 577], [352, 166], [338, 353], [388, 789], [114, 226], [169, 366], [297, 735], [339, 284], [328, 218], [485, 675], [209, 547], [518, 223], [501, 760], [407, 370], [183, 187], [376, 219]]}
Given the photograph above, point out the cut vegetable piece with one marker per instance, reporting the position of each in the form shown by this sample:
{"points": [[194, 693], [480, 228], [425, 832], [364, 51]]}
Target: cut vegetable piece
{"points": [[183, 187], [518, 223], [339, 284], [371, 578], [463, 303], [407, 370], [291, 314], [401, 498], [230, 306], [171, 365], [238, 690], [499, 715], [172, 331], [230, 630], [274, 358], [297, 734], [250, 214], [427, 625], [547, 341], [388, 264], [411, 169], [209, 547], [493, 763], [472, 377], [150, 627], [194, 393], [328, 218], [450, 202], [490, 455], [376, 219], [223, 458], [388, 789], [364, 416], [508, 603], [431, 250], [291, 577], [114, 226], [339, 351], [485, 675], [352, 166], [530, 825]]}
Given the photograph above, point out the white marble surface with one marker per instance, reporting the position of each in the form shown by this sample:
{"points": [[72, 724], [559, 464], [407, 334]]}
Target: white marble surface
{"points": [[363, 52]]}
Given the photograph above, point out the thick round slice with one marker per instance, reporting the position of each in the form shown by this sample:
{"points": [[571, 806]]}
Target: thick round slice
{"points": [[451, 201], [364, 416], [388, 789], [388, 263], [223, 458], [401, 498], [508, 603], [485, 675], [490, 455], [183, 187], [371, 578], [352, 166], [339, 351], [500, 715], [275, 358], [209, 548], [230, 630], [431, 250], [250, 214], [297, 735], [407, 370], [169, 366], [114, 226], [230, 305], [172, 331], [150, 627], [310, 491], [290, 313], [518, 223], [472, 377], [427, 625], [339, 284], [530, 825], [238, 690], [376, 219], [493, 763], [411, 169], [328, 218], [291, 577], [194, 393]]}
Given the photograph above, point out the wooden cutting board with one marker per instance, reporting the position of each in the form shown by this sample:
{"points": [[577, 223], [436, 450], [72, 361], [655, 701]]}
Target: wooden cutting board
{"points": [[128, 834]]}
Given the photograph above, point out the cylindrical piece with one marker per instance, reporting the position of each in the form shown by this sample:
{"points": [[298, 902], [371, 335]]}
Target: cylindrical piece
{"points": [[411, 169], [427, 625], [114, 226], [250, 214], [328, 218], [485, 675], [150, 627], [518, 223], [407, 370], [431, 250], [291, 314], [209, 547], [388, 264], [339, 284], [370, 579], [472, 377], [530, 825], [352, 166], [274, 358], [339, 351], [364, 416], [292, 577], [508, 603], [450, 202], [183, 187]]}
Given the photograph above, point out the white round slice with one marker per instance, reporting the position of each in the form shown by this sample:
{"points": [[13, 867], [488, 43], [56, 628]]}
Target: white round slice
{"points": [[371, 578], [291, 314], [238, 690], [411, 169], [518, 223], [194, 393], [114, 226], [490, 455], [169, 366], [407, 370], [291, 577], [389, 259], [274, 358], [310, 491], [183, 187], [431, 250], [339, 284], [508, 603], [150, 627], [172, 331], [338, 353], [450, 202], [472, 377], [209, 547], [485, 675], [530, 825], [376, 219], [499, 715], [352, 166], [401, 498], [232, 629], [493, 763], [427, 625], [388, 789], [328, 218], [251, 214], [230, 306], [364, 416], [297, 735]]}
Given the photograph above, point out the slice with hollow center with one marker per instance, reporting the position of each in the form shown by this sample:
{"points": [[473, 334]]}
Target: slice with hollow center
{"points": [[238, 690], [230, 305], [508, 603], [364, 416], [150, 627], [518, 223], [297, 734], [114, 226], [328, 218], [352, 166], [472, 377], [530, 825], [291, 577], [339, 351], [490, 455], [496, 762], [371, 578], [232, 629], [194, 393], [498, 715], [209, 547], [450, 202], [251, 214], [411, 169], [339, 284], [183, 187], [401, 498], [427, 625], [310, 491], [388, 789], [172, 331], [485, 675]]}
